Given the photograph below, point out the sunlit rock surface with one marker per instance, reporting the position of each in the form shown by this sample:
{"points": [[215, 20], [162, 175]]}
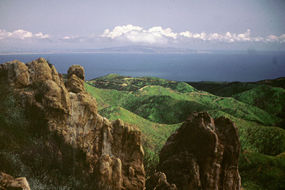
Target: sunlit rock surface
{"points": [[8, 182]]}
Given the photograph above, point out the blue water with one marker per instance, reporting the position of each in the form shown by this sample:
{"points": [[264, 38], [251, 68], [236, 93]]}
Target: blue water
{"points": [[192, 67]]}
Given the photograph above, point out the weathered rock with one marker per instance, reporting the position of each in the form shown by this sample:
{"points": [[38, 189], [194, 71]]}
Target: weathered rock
{"points": [[158, 181], [74, 84], [76, 70], [202, 154], [16, 73], [9, 182], [75, 79], [113, 150]]}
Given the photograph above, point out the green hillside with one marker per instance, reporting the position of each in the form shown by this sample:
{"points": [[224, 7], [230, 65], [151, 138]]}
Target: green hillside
{"points": [[226, 89], [153, 102], [259, 171], [154, 134], [118, 82], [270, 99], [157, 107]]}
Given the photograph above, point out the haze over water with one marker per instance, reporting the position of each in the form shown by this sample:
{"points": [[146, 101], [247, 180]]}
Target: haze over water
{"points": [[180, 67]]}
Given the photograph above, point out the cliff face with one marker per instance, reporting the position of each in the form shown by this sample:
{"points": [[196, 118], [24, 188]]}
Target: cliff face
{"points": [[113, 151], [202, 154]]}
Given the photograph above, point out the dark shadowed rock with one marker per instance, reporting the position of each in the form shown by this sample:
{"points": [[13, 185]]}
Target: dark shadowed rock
{"points": [[114, 153], [202, 154], [158, 181], [8, 182]]}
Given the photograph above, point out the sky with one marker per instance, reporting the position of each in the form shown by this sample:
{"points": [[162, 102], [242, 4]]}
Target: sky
{"points": [[92, 24]]}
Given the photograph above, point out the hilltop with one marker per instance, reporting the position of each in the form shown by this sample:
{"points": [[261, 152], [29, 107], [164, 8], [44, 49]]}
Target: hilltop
{"points": [[230, 88]]}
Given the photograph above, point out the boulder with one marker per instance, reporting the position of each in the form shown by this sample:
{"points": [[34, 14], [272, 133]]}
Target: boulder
{"points": [[202, 154]]}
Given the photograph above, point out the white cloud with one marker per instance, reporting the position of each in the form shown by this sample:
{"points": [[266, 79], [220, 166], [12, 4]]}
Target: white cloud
{"points": [[232, 37], [22, 35], [139, 35], [120, 30], [186, 34], [226, 37], [153, 35], [158, 30], [41, 35], [160, 35]]}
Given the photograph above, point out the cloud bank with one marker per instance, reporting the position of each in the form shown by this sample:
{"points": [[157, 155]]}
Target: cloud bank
{"points": [[137, 34], [128, 34], [22, 35], [158, 34]]}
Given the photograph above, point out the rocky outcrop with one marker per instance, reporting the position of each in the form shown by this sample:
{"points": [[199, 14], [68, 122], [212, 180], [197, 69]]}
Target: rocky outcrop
{"points": [[9, 182], [158, 181], [202, 154], [113, 150]]}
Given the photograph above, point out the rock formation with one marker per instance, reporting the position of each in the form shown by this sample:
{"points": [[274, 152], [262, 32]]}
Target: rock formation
{"points": [[158, 181], [113, 150], [202, 154], [9, 182]]}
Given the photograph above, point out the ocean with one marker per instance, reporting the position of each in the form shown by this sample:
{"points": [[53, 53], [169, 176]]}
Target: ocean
{"points": [[179, 67]]}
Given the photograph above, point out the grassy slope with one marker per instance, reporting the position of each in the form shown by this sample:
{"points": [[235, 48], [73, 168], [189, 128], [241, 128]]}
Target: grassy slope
{"points": [[225, 89], [255, 137], [270, 99], [200, 100], [154, 134], [228, 89], [157, 104], [152, 101], [261, 171]]}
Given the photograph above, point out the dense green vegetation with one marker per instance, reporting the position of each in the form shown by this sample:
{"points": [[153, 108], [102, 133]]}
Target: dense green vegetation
{"points": [[270, 99], [225, 89], [228, 89], [259, 171], [157, 107]]}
